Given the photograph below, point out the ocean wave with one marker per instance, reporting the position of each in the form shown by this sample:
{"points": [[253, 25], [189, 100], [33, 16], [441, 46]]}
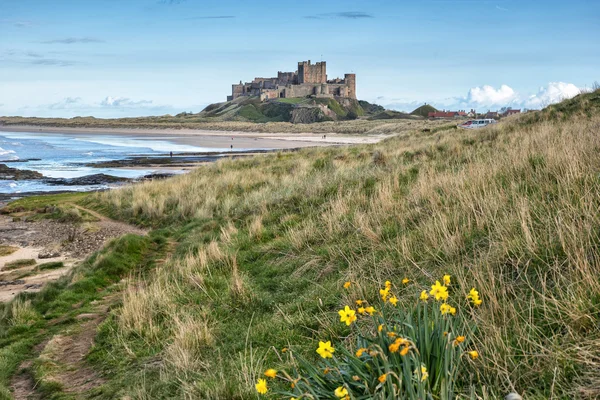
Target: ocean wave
{"points": [[5, 152], [6, 155]]}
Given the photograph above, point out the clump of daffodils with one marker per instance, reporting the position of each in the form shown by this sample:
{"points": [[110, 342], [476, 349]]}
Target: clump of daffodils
{"points": [[409, 352]]}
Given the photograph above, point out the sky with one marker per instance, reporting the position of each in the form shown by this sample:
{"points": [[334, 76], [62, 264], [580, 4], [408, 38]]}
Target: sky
{"points": [[116, 58]]}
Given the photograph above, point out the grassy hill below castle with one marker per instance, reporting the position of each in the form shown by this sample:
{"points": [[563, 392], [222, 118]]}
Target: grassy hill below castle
{"points": [[247, 260]]}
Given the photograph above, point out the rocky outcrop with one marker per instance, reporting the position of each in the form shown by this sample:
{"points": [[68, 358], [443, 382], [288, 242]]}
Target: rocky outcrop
{"points": [[15, 174]]}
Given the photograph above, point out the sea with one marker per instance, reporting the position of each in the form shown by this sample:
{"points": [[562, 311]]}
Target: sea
{"points": [[57, 155]]}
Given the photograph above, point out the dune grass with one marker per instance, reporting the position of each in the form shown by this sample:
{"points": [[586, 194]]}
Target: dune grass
{"points": [[263, 247], [266, 243]]}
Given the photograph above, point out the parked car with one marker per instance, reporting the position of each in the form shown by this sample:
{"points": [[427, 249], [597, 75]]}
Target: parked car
{"points": [[477, 123]]}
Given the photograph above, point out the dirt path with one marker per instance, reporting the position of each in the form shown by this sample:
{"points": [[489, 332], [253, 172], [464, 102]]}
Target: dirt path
{"points": [[50, 241]]}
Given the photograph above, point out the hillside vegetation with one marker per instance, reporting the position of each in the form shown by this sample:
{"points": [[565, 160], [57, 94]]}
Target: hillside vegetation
{"points": [[424, 110], [259, 250]]}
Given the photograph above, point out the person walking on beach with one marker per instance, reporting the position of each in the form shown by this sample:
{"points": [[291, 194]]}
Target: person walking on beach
{"points": [[171, 154]]}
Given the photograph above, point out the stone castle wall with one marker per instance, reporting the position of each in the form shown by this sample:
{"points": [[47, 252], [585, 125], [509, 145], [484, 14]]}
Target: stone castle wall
{"points": [[309, 80]]}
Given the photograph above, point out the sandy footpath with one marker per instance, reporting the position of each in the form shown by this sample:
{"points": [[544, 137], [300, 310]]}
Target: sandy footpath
{"points": [[213, 139]]}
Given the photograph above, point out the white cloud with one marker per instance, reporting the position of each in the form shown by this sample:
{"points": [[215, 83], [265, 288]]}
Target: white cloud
{"points": [[486, 97], [122, 102], [553, 93]]}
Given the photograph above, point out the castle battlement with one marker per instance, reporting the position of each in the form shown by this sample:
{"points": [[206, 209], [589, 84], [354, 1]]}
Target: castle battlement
{"points": [[308, 80]]}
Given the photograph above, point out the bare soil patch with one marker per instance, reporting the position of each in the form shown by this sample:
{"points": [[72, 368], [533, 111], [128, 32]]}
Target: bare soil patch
{"points": [[51, 241]]}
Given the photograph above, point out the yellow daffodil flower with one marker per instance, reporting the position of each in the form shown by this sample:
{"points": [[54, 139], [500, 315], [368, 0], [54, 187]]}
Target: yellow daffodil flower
{"points": [[474, 354], [261, 386], [384, 293], [424, 373], [405, 281], [393, 300], [271, 373], [359, 302], [458, 340], [445, 308], [388, 284], [424, 296], [446, 280], [361, 310], [360, 352], [439, 291], [370, 310], [405, 350], [347, 285], [325, 349], [340, 392], [382, 378], [347, 315]]}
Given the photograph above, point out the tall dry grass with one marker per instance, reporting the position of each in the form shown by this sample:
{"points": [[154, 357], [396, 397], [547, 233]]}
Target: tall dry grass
{"points": [[512, 209]]}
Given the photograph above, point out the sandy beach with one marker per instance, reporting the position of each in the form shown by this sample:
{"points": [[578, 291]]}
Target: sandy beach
{"points": [[213, 139]]}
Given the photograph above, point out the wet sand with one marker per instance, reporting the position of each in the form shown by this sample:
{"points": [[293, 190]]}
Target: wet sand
{"points": [[213, 139]]}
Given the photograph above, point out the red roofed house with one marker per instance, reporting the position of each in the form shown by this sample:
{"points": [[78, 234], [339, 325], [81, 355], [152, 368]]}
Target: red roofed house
{"points": [[447, 114], [510, 112]]}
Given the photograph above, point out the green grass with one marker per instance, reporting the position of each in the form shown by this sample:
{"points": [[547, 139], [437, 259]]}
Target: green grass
{"points": [[50, 265], [262, 246], [25, 262], [292, 100]]}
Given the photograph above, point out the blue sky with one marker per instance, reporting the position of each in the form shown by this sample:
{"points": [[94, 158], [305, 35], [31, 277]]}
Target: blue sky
{"points": [[111, 58]]}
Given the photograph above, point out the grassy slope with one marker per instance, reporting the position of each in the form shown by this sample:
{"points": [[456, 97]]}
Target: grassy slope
{"points": [[264, 245]]}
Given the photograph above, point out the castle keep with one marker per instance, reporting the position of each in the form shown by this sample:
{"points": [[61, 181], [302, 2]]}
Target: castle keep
{"points": [[308, 80]]}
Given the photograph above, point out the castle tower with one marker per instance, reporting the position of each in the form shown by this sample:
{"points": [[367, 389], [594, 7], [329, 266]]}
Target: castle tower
{"points": [[312, 73], [350, 80]]}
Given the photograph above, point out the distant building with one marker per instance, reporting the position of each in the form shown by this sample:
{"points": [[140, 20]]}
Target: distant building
{"points": [[492, 114], [308, 80], [447, 114], [510, 112]]}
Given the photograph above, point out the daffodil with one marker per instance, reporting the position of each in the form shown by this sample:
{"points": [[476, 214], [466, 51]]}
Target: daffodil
{"points": [[261, 386], [424, 373], [458, 340], [325, 349], [388, 284], [361, 310], [445, 308], [347, 285], [446, 280], [340, 392], [382, 378], [391, 334], [474, 354], [394, 300], [405, 350], [405, 281], [370, 310], [359, 302], [394, 347], [360, 352], [271, 373], [453, 310], [474, 296], [384, 293], [439, 291], [347, 315], [424, 296]]}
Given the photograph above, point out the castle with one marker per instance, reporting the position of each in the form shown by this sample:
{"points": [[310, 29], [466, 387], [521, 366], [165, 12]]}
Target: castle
{"points": [[308, 80]]}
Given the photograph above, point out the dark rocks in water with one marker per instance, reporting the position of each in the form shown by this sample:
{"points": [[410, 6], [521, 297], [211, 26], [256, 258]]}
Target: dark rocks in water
{"points": [[96, 179], [157, 175], [16, 174], [22, 160]]}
